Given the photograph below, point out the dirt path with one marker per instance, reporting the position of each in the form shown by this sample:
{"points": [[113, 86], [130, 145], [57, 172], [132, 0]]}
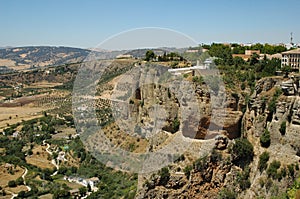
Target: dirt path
{"points": [[23, 176], [53, 160], [13, 194]]}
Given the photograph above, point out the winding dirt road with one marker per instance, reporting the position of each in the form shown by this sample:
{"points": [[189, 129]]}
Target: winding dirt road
{"points": [[53, 160]]}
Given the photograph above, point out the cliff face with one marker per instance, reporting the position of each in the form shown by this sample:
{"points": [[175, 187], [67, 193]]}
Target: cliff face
{"points": [[273, 108], [179, 105]]}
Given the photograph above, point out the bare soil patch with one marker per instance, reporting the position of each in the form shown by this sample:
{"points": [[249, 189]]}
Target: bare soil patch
{"points": [[44, 84], [9, 173], [40, 158], [13, 115]]}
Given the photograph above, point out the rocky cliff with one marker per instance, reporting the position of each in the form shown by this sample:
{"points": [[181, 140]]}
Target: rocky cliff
{"points": [[269, 119]]}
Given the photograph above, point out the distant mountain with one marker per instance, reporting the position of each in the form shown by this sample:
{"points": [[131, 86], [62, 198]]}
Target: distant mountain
{"points": [[140, 53], [3, 47], [40, 56], [29, 57]]}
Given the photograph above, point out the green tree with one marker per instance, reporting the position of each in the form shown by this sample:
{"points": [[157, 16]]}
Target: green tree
{"points": [[62, 170], [164, 176], [19, 181], [82, 191], [12, 183], [238, 61], [226, 193], [149, 55], [257, 46], [21, 194], [242, 179], [283, 128], [223, 52], [263, 161], [242, 152], [272, 169], [61, 194], [270, 67], [286, 70], [254, 59], [265, 139]]}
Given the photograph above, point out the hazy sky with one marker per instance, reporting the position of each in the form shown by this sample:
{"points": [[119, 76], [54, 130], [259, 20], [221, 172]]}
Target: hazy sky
{"points": [[86, 23]]}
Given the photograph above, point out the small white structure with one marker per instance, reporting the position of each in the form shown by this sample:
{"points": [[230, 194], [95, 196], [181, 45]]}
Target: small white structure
{"points": [[93, 181], [179, 71], [15, 134], [124, 56]]}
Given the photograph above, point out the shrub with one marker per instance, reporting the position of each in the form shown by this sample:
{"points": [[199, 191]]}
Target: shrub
{"points": [[62, 170], [215, 156], [175, 125], [21, 194], [179, 158], [272, 169], [243, 86], [201, 163], [198, 79], [164, 176], [19, 181], [291, 170], [187, 171], [272, 103], [263, 161], [242, 152], [283, 173], [243, 179], [265, 139], [12, 183], [282, 128], [261, 182], [226, 193], [297, 167]]}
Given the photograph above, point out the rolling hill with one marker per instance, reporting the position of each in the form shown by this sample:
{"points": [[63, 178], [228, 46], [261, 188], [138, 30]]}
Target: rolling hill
{"points": [[19, 58]]}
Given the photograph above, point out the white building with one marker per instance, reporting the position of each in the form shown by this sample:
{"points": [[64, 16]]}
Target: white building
{"points": [[291, 58]]}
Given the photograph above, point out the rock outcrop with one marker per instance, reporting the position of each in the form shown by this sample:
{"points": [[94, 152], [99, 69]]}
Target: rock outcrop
{"points": [[209, 178]]}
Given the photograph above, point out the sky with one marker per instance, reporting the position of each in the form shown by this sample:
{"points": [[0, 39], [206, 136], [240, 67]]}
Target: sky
{"points": [[86, 23]]}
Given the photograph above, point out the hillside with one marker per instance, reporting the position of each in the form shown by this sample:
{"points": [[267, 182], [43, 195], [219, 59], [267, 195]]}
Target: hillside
{"points": [[237, 140], [20, 58]]}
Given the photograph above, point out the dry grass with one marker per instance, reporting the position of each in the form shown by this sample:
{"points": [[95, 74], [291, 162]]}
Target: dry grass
{"points": [[7, 62], [41, 159], [72, 185], [18, 114], [71, 161], [21, 67], [6, 176], [17, 189], [65, 133], [47, 196], [2, 151], [122, 139], [8, 196], [44, 84]]}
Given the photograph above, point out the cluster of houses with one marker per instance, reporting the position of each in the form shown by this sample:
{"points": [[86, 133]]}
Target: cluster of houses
{"points": [[92, 182], [289, 58], [249, 53]]}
